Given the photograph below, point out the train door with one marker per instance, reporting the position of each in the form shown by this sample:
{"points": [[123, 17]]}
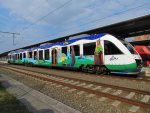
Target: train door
{"points": [[54, 56], [99, 56]]}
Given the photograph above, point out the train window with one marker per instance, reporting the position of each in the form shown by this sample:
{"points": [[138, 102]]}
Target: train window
{"points": [[41, 55], [20, 56], [64, 50], [75, 49], [129, 47], [24, 55], [47, 54], [15, 56], [29, 54], [89, 48], [35, 55], [111, 49], [9, 57]]}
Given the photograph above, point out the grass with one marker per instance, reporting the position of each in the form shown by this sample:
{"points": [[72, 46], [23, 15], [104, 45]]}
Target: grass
{"points": [[9, 104]]}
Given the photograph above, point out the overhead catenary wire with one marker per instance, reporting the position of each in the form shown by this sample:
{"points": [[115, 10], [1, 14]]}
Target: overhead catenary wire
{"points": [[133, 8], [101, 19], [90, 22], [12, 28], [45, 40], [130, 9], [52, 11], [12, 34]]}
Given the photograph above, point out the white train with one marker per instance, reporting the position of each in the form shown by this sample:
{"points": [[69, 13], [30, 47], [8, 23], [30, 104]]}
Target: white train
{"points": [[116, 57]]}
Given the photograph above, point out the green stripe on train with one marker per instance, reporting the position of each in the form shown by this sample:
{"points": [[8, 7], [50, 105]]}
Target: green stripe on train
{"points": [[122, 67]]}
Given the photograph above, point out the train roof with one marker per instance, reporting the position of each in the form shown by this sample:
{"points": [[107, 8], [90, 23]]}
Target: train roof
{"points": [[91, 37], [45, 46], [32, 49], [64, 43], [11, 52], [19, 51], [16, 52], [68, 42]]}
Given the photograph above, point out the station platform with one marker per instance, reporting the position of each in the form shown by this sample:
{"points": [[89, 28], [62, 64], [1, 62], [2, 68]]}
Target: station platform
{"points": [[35, 101]]}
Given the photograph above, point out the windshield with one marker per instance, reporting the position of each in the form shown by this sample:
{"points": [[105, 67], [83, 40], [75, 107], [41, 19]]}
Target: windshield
{"points": [[129, 47]]}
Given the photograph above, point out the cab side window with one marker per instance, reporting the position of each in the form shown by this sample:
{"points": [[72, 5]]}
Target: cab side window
{"points": [[111, 49]]}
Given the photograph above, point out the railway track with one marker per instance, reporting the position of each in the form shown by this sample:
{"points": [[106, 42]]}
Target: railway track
{"points": [[137, 98], [134, 78]]}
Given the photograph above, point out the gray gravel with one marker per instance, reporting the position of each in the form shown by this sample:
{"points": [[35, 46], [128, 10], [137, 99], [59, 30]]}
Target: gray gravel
{"points": [[79, 102], [101, 79]]}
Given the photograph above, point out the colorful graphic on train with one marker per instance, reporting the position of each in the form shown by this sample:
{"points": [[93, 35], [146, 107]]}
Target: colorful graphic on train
{"points": [[99, 53]]}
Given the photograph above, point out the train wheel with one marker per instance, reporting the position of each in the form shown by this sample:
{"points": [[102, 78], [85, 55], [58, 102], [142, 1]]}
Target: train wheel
{"points": [[106, 71], [99, 70], [91, 69], [31, 65], [82, 68]]}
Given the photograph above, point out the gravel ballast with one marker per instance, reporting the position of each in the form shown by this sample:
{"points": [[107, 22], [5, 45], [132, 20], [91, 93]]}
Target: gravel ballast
{"points": [[79, 102]]}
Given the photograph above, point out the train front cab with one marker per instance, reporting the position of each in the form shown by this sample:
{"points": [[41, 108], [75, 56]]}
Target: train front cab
{"points": [[120, 57]]}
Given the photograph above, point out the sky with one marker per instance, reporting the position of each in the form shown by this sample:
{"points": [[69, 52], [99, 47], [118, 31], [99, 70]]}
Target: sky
{"points": [[41, 20]]}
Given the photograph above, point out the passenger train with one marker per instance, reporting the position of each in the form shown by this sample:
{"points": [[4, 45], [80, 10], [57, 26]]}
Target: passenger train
{"points": [[117, 57]]}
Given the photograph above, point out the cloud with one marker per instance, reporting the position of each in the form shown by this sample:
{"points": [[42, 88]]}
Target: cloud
{"points": [[76, 16]]}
